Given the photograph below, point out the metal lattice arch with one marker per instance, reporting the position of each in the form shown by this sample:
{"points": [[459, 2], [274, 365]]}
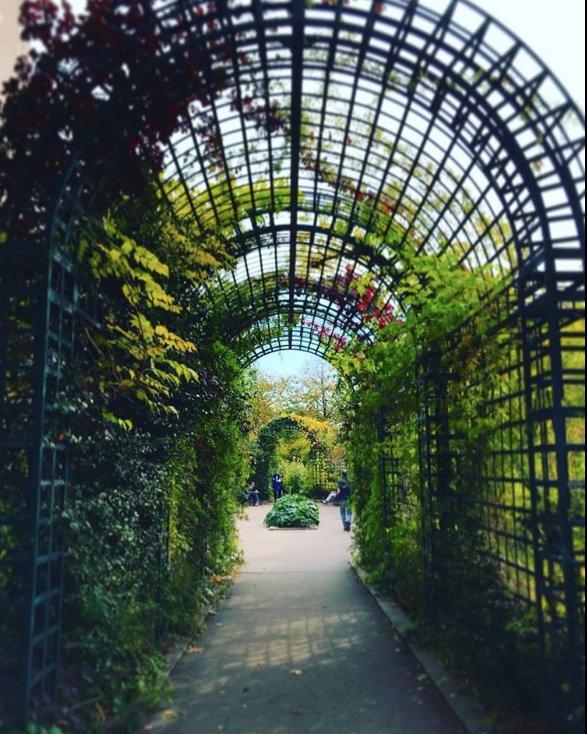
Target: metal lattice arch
{"points": [[342, 131], [428, 116]]}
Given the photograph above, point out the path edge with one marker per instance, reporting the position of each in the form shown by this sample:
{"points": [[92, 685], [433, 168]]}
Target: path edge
{"points": [[464, 706], [178, 650]]}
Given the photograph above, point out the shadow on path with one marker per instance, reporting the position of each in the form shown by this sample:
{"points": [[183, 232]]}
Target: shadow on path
{"points": [[300, 647]]}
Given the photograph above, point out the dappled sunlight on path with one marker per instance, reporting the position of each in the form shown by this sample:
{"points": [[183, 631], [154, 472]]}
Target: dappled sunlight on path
{"points": [[300, 647]]}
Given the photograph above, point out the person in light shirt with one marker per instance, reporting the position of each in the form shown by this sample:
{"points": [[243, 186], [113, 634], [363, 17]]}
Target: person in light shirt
{"points": [[331, 496]]}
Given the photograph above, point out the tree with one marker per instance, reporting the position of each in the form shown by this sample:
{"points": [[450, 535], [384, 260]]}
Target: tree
{"points": [[317, 391], [313, 394]]}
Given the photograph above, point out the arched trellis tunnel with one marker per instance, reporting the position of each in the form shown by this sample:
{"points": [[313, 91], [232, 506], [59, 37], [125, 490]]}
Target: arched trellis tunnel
{"points": [[318, 138]]}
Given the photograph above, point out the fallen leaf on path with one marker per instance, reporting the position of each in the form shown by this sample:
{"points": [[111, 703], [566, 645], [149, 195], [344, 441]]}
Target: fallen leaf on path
{"points": [[191, 649], [169, 714]]}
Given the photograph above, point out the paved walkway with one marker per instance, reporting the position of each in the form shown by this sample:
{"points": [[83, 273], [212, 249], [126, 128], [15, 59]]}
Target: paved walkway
{"points": [[300, 647]]}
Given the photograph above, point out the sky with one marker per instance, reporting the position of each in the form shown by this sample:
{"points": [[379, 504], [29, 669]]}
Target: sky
{"points": [[554, 30], [288, 363]]}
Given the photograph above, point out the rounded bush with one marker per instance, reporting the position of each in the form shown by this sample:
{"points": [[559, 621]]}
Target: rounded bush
{"points": [[293, 511]]}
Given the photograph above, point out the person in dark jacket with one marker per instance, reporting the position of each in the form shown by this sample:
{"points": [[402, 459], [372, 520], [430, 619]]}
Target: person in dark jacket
{"points": [[254, 496], [343, 491], [277, 485]]}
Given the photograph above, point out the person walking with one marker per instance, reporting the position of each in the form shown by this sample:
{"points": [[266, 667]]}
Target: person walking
{"points": [[277, 485], [343, 490]]}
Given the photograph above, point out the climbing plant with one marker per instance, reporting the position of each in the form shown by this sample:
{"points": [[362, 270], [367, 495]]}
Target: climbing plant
{"points": [[152, 540], [429, 376], [156, 414]]}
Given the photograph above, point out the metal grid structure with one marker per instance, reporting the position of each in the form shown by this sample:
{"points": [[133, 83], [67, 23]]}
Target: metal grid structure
{"points": [[41, 301], [343, 133]]}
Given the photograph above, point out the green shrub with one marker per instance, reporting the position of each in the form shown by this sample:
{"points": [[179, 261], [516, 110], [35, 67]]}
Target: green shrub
{"points": [[293, 511], [297, 476]]}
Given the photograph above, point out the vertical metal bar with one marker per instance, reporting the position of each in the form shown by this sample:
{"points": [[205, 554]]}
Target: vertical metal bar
{"points": [[34, 484], [297, 65], [381, 433], [572, 649]]}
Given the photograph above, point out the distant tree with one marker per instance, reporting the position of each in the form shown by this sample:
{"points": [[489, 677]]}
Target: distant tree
{"points": [[264, 407], [312, 393], [316, 391]]}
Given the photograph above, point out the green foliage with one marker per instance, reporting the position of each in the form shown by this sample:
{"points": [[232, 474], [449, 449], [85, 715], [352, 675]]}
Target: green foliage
{"points": [[161, 440], [387, 397], [438, 296], [301, 448], [311, 394], [293, 511], [115, 574], [138, 355], [447, 354], [152, 539], [297, 476], [294, 447], [209, 465]]}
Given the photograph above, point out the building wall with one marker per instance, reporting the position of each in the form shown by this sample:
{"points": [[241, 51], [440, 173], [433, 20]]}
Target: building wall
{"points": [[11, 45]]}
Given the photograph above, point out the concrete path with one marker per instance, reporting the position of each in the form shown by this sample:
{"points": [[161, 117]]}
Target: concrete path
{"points": [[300, 647]]}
